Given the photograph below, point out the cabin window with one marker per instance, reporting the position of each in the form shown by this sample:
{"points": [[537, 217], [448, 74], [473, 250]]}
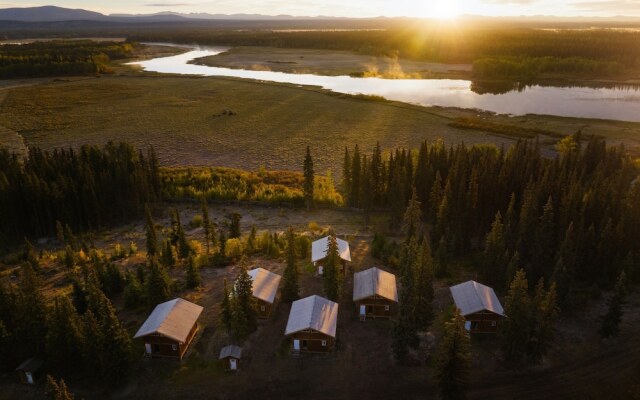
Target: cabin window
{"points": [[474, 324], [493, 323], [386, 308], [263, 308], [324, 343], [156, 348], [304, 344], [174, 347]]}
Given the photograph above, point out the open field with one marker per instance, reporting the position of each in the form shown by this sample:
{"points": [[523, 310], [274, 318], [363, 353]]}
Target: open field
{"points": [[578, 366], [184, 118], [327, 62]]}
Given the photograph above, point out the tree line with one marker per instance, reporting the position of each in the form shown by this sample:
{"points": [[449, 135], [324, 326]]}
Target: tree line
{"points": [[424, 43], [88, 188], [573, 218], [529, 68], [60, 58]]}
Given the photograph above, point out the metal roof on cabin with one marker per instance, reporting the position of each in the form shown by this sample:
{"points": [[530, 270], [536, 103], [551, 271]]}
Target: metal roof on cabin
{"points": [[265, 284], [231, 351], [173, 319], [313, 312], [471, 297], [320, 247], [30, 365], [374, 281]]}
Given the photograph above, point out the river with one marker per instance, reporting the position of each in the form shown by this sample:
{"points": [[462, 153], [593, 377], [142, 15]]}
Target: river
{"points": [[621, 104]]}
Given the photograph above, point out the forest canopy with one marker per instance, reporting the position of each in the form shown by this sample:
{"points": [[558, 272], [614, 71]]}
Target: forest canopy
{"points": [[60, 58]]}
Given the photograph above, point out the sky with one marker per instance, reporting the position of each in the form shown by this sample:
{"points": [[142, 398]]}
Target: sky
{"points": [[354, 8]]}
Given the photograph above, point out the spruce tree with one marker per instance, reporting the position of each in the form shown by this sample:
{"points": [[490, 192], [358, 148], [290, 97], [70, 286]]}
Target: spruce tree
{"points": [[495, 259], [251, 240], [290, 287], [64, 336], [29, 255], [424, 294], [91, 350], [168, 258], [226, 308], [223, 246], [615, 309], [331, 271], [309, 179], [412, 224], [234, 225], [60, 233], [184, 249], [193, 273], [544, 312], [544, 244], [516, 328], [158, 284], [454, 360], [206, 223], [244, 310], [133, 292], [152, 239], [31, 317]]}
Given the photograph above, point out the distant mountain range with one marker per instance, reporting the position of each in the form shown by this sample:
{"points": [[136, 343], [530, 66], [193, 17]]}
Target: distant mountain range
{"points": [[59, 14]]}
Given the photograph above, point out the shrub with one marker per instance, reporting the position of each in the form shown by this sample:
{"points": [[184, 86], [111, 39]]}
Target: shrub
{"points": [[196, 221], [234, 248]]}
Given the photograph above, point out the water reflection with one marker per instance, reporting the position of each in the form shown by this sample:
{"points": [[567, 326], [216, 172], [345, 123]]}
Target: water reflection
{"points": [[615, 102]]}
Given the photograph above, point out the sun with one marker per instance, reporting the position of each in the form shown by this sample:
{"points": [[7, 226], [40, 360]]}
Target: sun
{"points": [[445, 9], [439, 9]]}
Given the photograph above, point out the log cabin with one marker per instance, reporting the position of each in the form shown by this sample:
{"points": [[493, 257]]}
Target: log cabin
{"points": [[479, 305], [319, 250], [265, 288], [312, 325], [375, 293], [230, 357], [170, 329]]}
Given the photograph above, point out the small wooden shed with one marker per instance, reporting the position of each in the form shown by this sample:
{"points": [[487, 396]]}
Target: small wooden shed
{"points": [[230, 357], [479, 305], [170, 328], [319, 250], [29, 371], [312, 325], [265, 288], [375, 293]]}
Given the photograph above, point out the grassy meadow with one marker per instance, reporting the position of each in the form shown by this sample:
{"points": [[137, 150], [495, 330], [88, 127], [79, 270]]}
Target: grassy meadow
{"points": [[187, 120]]}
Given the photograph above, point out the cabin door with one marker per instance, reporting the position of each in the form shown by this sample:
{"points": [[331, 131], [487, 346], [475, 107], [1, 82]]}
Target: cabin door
{"points": [[363, 310], [147, 347], [29, 378], [233, 364], [320, 270], [296, 345], [467, 325]]}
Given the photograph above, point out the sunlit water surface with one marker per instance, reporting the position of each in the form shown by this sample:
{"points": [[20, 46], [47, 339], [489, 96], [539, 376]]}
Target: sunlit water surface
{"points": [[601, 103]]}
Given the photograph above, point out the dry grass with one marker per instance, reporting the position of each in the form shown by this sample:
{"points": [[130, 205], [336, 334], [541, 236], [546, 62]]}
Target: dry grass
{"points": [[182, 118]]}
